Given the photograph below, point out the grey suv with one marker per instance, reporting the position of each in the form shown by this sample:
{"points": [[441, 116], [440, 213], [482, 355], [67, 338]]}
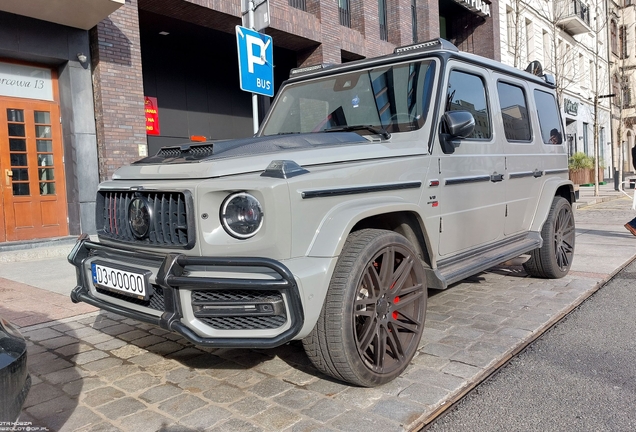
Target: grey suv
{"points": [[367, 184]]}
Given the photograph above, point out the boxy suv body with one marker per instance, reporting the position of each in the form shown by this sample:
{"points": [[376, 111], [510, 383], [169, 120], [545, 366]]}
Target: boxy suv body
{"points": [[367, 184]]}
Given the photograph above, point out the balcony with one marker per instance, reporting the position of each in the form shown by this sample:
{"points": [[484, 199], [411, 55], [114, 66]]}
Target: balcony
{"points": [[82, 14], [575, 18]]}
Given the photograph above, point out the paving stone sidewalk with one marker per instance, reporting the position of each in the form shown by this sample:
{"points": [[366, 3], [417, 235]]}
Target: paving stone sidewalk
{"points": [[98, 371], [104, 372]]}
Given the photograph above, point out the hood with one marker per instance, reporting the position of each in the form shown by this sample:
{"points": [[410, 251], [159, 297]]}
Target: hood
{"points": [[231, 157], [201, 152]]}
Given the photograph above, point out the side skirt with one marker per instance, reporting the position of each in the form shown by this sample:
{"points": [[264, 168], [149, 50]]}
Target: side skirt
{"points": [[463, 265]]}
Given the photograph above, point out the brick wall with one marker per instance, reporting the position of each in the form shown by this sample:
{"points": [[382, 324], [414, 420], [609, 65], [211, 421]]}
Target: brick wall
{"points": [[427, 20], [118, 89]]}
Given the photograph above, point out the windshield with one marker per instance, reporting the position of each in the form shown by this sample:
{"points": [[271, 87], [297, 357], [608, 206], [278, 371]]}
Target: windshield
{"points": [[391, 98]]}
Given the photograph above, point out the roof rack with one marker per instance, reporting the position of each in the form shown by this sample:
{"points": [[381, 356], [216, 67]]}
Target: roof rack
{"points": [[438, 43]]}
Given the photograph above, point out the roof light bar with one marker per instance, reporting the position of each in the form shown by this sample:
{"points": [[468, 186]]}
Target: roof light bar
{"points": [[438, 43], [302, 70]]}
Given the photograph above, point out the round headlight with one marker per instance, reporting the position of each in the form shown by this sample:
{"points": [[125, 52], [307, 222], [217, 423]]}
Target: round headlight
{"points": [[241, 215]]}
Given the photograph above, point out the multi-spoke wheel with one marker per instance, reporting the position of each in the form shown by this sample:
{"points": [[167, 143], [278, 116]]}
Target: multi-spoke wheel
{"points": [[373, 316], [554, 258]]}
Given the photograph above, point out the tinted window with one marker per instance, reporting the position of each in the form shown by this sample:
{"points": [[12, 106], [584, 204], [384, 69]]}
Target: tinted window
{"points": [[514, 112], [466, 92], [549, 117]]}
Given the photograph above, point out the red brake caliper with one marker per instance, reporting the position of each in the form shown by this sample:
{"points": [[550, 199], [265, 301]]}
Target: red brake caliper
{"points": [[396, 300]]}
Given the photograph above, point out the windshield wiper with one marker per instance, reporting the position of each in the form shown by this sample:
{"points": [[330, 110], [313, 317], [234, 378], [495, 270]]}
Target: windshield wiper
{"points": [[375, 129]]}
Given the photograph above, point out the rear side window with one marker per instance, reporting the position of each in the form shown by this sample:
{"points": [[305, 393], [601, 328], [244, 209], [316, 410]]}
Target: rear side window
{"points": [[549, 117], [466, 92], [514, 112]]}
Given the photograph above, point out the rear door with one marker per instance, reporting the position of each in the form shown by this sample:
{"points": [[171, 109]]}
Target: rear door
{"points": [[523, 148]]}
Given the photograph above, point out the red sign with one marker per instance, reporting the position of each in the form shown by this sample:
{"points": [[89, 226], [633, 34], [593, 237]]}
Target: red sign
{"points": [[152, 115]]}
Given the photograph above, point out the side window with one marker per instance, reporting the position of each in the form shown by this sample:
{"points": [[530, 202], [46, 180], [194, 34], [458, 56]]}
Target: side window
{"points": [[549, 117], [514, 112], [466, 92]]}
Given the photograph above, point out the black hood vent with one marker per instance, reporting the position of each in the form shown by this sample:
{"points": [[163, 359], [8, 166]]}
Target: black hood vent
{"points": [[187, 151]]}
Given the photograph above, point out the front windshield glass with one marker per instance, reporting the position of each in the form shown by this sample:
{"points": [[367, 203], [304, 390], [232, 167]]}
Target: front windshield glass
{"points": [[392, 98]]}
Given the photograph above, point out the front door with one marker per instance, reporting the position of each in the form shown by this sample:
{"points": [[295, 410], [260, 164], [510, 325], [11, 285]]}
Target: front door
{"points": [[31, 171]]}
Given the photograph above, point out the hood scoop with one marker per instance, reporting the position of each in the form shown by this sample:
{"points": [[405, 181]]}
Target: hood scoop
{"points": [[187, 151]]}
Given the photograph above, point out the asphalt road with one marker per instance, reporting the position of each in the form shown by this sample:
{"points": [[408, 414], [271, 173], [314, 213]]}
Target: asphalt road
{"points": [[578, 376]]}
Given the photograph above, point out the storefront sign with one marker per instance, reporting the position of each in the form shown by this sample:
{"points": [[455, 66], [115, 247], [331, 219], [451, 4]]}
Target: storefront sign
{"points": [[570, 107], [25, 82], [480, 7], [152, 115]]}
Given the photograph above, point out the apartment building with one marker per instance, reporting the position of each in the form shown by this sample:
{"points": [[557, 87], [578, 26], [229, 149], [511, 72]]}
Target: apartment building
{"points": [[569, 39], [83, 75], [622, 31]]}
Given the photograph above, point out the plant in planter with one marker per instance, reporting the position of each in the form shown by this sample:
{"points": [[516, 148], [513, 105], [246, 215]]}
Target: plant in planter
{"points": [[581, 167]]}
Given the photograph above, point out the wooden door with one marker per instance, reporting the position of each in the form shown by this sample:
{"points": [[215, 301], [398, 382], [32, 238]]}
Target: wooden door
{"points": [[31, 171]]}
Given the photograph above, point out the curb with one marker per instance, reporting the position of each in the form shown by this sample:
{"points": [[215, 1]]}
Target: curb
{"points": [[37, 249]]}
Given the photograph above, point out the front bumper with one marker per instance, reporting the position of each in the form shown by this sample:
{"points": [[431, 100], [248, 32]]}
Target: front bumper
{"points": [[172, 278]]}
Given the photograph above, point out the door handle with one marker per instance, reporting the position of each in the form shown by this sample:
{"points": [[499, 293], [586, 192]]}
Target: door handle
{"points": [[494, 177], [8, 174]]}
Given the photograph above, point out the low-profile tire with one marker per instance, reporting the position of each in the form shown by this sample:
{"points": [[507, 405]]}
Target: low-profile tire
{"points": [[554, 258], [372, 319]]}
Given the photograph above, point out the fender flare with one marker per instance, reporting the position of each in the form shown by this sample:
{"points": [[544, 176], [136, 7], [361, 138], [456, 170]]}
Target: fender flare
{"points": [[548, 192], [336, 225]]}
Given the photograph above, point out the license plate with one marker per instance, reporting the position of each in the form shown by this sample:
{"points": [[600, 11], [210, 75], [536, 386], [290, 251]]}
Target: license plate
{"points": [[129, 282]]}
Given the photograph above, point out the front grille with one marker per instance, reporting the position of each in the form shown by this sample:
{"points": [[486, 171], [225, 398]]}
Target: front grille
{"points": [[256, 320], [155, 302], [170, 225]]}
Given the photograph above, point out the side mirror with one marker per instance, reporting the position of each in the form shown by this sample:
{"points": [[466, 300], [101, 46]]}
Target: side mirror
{"points": [[455, 124]]}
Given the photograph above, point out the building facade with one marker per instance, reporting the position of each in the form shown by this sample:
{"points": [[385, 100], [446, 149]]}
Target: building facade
{"points": [[569, 39], [173, 63], [622, 51], [48, 146]]}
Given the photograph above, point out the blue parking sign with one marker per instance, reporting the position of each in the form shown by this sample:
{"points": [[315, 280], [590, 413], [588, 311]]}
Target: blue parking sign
{"points": [[256, 61]]}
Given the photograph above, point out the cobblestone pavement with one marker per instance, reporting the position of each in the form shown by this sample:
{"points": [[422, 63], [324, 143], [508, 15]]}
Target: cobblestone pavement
{"points": [[98, 371]]}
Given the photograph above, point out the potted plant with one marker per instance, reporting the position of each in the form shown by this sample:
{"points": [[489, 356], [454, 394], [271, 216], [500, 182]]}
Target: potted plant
{"points": [[581, 167]]}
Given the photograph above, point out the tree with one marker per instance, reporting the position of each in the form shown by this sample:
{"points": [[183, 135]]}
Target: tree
{"points": [[599, 90], [560, 58]]}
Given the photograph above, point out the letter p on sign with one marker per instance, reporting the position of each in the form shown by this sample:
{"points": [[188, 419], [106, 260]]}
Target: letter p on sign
{"points": [[255, 53]]}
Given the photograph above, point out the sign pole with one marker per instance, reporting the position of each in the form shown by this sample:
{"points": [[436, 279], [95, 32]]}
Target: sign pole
{"points": [[250, 17]]}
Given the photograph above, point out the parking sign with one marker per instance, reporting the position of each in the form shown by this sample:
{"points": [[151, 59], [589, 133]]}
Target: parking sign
{"points": [[256, 61]]}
